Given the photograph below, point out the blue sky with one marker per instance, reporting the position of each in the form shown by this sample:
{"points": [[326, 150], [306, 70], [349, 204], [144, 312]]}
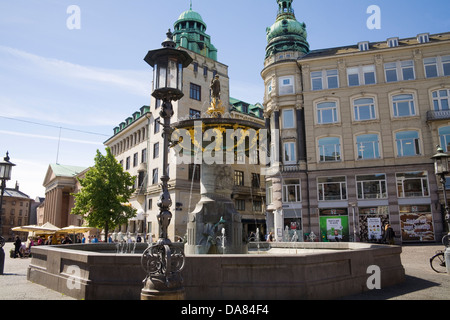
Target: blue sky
{"points": [[70, 88]]}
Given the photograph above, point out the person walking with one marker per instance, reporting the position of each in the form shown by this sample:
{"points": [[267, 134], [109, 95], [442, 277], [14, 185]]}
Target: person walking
{"points": [[17, 245], [389, 235]]}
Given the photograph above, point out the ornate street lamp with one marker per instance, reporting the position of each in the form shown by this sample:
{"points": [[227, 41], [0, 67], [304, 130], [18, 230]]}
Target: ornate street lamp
{"points": [[5, 174], [163, 261], [441, 169]]}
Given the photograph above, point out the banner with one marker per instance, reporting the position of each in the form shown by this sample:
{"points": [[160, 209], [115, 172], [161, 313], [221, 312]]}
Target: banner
{"points": [[334, 228]]}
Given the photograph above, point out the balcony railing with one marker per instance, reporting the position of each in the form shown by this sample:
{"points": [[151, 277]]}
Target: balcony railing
{"points": [[438, 115]]}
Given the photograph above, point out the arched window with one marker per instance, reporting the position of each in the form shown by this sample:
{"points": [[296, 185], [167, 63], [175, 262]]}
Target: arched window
{"points": [[327, 112], [364, 109], [403, 105], [408, 143], [330, 149], [368, 146]]}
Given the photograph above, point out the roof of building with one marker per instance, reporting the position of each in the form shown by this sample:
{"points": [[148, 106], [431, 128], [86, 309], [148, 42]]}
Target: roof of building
{"points": [[15, 193], [373, 47], [60, 170], [254, 110]]}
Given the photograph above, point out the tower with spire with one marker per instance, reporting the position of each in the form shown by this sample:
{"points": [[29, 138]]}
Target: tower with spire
{"points": [[286, 34], [190, 33]]}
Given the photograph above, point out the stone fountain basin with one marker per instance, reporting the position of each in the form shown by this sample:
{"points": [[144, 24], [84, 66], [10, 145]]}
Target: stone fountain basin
{"points": [[277, 271]]}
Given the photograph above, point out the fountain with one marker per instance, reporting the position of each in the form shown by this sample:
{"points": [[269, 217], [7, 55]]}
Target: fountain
{"points": [[254, 271]]}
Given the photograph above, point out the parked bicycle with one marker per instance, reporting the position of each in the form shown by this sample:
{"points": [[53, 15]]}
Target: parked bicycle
{"points": [[437, 262]]}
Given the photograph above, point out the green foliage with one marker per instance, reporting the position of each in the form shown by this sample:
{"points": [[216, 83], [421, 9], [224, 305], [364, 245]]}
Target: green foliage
{"points": [[106, 190]]}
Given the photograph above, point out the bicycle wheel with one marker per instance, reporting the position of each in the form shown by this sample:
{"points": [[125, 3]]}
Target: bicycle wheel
{"points": [[437, 263], [446, 240]]}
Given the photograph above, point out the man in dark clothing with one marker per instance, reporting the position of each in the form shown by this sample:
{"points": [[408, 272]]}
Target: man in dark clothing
{"points": [[389, 235], [17, 245]]}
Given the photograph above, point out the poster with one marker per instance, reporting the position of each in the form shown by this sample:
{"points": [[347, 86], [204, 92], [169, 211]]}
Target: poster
{"points": [[334, 228], [374, 226], [416, 223]]}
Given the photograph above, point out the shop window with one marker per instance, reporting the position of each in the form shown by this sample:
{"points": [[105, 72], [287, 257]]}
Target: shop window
{"points": [[412, 184], [332, 188], [371, 186]]}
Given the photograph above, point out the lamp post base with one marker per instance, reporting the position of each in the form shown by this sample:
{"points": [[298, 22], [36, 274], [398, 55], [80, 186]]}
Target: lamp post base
{"points": [[2, 260], [171, 295]]}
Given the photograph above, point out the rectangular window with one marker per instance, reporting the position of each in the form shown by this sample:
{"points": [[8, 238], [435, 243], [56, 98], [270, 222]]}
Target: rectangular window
{"points": [[256, 180], [240, 204], [194, 172], [257, 206], [157, 125], [446, 65], [156, 150], [155, 176], [144, 156], [330, 149], [127, 166], [289, 152], [194, 114], [135, 159], [403, 105], [288, 119], [286, 85], [412, 184], [330, 77], [291, 191], [238, 178], [364, 75], [371, 186], [195, 92], [431, 67], [269, 192], [332, 188]]}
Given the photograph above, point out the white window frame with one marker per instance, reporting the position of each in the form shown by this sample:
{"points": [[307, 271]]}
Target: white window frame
{"points": [[321, 110], [324, 76], [401, 179], [400, 67], [439, 63], [437, 99], [411, 104], [357, 108], [287, 118], [289, 152], [401, 143], [296, 187], [286, 85], [375, 145], [361, 73], [322, 149], [363, 183], [342, 185]]}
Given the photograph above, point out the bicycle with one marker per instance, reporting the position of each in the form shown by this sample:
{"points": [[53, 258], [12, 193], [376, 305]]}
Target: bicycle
{"points": [[437, 262]]}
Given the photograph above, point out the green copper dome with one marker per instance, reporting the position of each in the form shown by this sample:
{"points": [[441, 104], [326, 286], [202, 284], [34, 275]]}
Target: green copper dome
{"points": [[190, 15], [190, 33], [286, 34]]}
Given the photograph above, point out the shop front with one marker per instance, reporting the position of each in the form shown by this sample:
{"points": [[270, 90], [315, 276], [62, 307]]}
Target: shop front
{"points": [[372, 222], [416, 222], [333, 225]]}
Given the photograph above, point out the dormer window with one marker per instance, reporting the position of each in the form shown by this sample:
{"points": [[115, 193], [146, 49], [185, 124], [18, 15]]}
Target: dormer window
{"points": [[423, 38], [392, 42], [363, 46]]}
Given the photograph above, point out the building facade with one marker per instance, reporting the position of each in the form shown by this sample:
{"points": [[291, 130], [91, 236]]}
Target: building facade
{"points": [[138, 145], [15, 212], [354, 130]]}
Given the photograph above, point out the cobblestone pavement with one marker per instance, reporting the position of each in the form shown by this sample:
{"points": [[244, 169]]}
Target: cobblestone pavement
{"points": [[421, 283]]}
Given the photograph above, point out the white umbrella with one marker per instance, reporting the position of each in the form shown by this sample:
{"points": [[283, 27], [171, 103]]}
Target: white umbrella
{"points": [[76, 229]]}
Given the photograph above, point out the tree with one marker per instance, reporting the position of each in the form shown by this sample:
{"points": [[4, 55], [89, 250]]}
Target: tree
{"points": [[106, 190]]}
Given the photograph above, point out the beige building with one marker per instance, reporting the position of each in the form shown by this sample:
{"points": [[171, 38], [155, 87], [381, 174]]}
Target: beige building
{"points": [[138, 145], [356, 128], [15, 212]]}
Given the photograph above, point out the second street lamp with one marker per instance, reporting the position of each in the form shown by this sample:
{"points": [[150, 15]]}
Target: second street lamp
{"points": [[5, 174], [441, 169], [163, 261]]}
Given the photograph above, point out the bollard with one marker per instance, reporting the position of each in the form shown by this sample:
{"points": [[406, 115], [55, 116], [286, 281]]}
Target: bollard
{"points": [[447, 260]]}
